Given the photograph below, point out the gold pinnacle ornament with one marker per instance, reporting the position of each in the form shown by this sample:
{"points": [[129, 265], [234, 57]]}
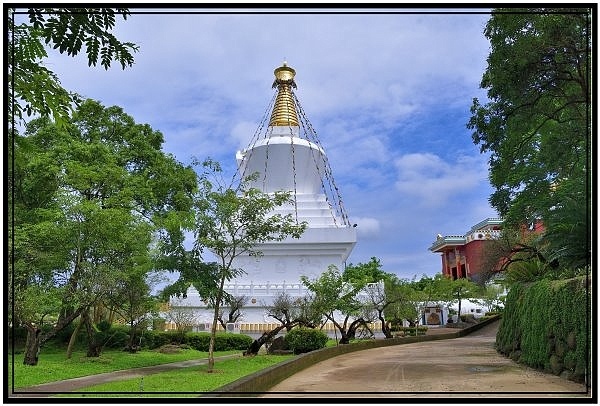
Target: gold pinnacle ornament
{"points": [[284, 110]]}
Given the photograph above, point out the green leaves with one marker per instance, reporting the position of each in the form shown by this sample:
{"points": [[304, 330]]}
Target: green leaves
{"points": [[232, 222], [89, 197], [33, 88], [536, 123]]}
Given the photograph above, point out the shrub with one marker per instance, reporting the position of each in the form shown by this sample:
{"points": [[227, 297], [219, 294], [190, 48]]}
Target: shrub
{"points": [[117, 337], [223, 341], [410, 331], [467, 318], [156, 339], [301, 340], [492, 313]]}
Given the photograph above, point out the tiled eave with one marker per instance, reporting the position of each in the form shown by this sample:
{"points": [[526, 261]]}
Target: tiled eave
{"points": [[489, 222], [447, 241]]}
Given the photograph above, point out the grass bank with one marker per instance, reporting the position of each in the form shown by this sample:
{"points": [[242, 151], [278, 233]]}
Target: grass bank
{"points": [[54, 366], [185, 382]]}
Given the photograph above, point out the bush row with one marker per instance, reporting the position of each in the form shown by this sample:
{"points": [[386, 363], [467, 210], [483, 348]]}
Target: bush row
{"points": [[409, 331], [545, 325], [117, 337], [198, 341]]}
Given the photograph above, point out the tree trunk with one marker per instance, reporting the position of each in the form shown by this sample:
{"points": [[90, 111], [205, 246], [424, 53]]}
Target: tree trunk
{"points": [[94, 347], [35, 338], [385, 328], [213, 329], [344, 339], [73, 339], [132, 347], [351, 334], [264, 338], [32, 345]]}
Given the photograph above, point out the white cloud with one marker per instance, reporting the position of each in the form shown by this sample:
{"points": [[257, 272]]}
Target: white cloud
{"points": [[433, 181], [366, 226], [242, 133], [387, 94]]}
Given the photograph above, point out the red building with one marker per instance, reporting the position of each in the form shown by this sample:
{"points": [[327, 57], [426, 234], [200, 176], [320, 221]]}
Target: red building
{"points": [[462, 255]]}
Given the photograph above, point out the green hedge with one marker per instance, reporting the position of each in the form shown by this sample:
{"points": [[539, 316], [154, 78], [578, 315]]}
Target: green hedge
{"points": [[301, 340], [197, 341], [410, 331], [545, 325], [117, 337]]}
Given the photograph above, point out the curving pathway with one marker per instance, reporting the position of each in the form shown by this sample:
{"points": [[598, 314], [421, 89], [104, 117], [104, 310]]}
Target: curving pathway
{"points": [[462, 367]]}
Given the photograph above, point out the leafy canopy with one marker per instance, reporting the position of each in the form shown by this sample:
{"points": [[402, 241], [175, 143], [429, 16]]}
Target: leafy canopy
{"points": [[536, 123], [35, 89]]}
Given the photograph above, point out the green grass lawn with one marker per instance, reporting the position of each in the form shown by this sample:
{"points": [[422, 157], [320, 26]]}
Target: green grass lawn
{"points": [[176, 383], [54, 366]]}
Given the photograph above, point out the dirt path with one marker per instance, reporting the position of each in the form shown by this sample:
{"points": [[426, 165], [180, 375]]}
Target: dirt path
{"points": [[461, 367]]}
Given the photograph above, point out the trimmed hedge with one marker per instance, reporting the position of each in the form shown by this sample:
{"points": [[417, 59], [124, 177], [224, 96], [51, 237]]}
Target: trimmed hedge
{"points": [[197, 341], [410, 331], [301, 340], [545, 325], [117, 337]]}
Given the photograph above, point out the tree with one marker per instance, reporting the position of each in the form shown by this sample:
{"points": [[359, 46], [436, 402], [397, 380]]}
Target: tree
{"points": [[133, 301], [405, 308], [289, 312], [362, 274], [234, 305], [398, 302], [32, 87], [229, 222], [89, 197], [331, 294], [184, 317], [537, 123], [431, 291], [379, 289], [512, 246], [462, 288], [493, 297]]}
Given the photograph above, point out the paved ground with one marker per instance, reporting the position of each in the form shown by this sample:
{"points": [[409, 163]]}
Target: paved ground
{"points": [[462, 367]]}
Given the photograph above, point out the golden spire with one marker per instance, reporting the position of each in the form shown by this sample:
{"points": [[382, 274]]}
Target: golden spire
{"points": [[284, 110]]}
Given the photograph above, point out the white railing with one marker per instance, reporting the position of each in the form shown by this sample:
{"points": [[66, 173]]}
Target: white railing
{"points": [[265, 289]]}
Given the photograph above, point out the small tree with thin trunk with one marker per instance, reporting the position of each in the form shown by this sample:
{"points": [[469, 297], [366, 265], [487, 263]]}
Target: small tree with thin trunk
{"points": [[231, 222], [182, 316]]}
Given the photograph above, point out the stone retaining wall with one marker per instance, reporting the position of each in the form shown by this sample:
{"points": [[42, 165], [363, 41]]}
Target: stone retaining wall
{"points": [[261, 381]]}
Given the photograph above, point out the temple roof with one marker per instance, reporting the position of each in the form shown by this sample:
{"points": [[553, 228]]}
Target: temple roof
{"points": [[284, 109], [442, 242]]}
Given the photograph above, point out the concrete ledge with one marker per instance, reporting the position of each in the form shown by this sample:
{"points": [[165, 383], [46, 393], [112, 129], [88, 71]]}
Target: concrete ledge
{"points": [[261, 381]]}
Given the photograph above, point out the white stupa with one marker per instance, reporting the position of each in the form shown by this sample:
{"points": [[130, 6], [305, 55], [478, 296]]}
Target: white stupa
{"points": [[288, 156]]}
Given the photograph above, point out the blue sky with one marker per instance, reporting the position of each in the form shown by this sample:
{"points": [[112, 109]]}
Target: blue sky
{"points": [[387, 94]]}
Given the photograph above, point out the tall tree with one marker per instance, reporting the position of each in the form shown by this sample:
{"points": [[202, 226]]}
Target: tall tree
{"points": [[89, 197], [537, 123], [32, 87], [230, 221]]}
